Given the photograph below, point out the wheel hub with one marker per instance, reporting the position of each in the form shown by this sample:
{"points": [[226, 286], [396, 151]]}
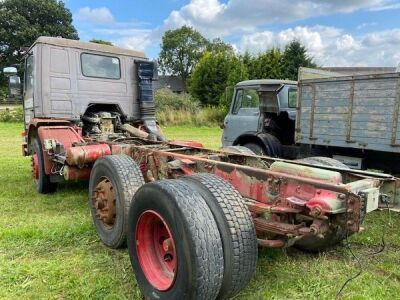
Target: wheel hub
{"points": [[105, 202], [156, 251]]}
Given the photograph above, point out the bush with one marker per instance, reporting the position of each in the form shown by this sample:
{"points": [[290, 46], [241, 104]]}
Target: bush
{"points": [[3, 94], [12, 114], [166, 100], [182, 109], [210, 116], [206, 116]]}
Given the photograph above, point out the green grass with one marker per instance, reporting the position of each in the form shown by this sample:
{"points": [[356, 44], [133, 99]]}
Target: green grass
{"points": [[49, 249]]}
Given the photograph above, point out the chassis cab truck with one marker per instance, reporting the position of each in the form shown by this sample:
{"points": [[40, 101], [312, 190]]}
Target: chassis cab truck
{"points": [[262, 116], [192, 218]]}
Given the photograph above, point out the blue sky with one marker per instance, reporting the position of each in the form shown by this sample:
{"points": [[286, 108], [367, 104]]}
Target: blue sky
{"points": [[335, 32]]}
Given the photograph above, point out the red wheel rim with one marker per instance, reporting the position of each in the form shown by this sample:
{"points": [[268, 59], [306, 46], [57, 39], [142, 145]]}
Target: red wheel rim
{"points": [[156, 251], [35, 167]]}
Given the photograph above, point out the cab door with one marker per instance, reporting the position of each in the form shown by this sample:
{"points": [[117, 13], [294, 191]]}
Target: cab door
{"points": [[243, 115]]}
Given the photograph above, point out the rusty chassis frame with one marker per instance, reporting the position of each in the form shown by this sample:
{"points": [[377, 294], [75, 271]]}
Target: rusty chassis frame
{"points": [[287, 200]]}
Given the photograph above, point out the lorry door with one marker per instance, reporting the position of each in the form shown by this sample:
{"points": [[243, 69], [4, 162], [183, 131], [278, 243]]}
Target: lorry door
{"points": [[29, 83], [243, 116]]}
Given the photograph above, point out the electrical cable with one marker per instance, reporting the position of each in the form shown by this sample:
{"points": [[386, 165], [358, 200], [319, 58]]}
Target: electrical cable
{"points": [[357, 259], [360, 266], [385, 227]]}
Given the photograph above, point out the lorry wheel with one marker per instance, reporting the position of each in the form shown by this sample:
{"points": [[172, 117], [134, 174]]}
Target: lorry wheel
{"points": [[335, 234], [255, 148], [173, 242], [114, 180], [235, 226], [315, 244], [42, 181], [238, 149], [272, 147]]}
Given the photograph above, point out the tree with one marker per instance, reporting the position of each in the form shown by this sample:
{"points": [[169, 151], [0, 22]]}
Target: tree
{"points": [[98, 41], [23, 21], [267, 65], [181, 49], [218, 45], [294, 57], [214, 72]]}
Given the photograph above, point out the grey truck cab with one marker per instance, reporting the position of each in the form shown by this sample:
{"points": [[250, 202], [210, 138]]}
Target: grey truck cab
{"points": [[262, 116], [100, 89]]}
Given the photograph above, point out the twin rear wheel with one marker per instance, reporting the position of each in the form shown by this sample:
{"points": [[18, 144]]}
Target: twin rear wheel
{"points": [[191, 238]]}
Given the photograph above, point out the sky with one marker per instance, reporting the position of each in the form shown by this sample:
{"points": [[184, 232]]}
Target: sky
{"points": [[335, 32]]}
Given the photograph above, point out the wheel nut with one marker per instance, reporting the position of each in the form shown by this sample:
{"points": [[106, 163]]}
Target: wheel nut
{"points": [[100, 204], [167, 244]]}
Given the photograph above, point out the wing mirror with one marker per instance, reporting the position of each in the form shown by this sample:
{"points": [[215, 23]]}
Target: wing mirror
{"points": [[14, 86], [10, 71]]}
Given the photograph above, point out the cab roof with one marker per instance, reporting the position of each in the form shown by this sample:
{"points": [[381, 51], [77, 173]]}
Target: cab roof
{"points": [[266, 82], [87, 46]]}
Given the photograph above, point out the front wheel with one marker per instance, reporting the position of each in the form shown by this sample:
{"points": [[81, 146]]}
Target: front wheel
{"points": [[42, 181], [174, 244], [255, 148]]}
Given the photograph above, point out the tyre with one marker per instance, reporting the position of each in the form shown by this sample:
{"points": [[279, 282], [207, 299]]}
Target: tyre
{"points": [[238, 149], [42, 181], [335, 234], [114, 180], [273, 145], [255, 148], [173, 242], [236, 228], [314, 244]]}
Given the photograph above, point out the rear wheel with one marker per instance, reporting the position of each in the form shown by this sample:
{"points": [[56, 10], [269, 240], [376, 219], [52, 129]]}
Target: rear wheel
{"points": [[255, 148], [42, 181], [173, 242], [335, 234], [236, 228], [113, 182]]}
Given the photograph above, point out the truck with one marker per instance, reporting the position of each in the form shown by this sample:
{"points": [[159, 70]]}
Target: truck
{"points": [[351, 118], [192, 218]]}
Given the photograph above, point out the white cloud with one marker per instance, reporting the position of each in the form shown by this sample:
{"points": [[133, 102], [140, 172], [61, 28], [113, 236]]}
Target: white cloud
{"points": [[388, 6], [94, 15], [215, 18], [330, 46]]}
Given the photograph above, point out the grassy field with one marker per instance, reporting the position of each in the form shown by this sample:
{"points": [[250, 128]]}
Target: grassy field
{"points": [[49, 249]]}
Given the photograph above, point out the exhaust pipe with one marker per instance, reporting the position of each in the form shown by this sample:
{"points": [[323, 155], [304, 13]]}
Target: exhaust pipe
{"points": [[146, 73]]}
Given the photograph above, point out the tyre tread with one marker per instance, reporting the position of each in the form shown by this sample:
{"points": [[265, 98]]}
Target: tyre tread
{"points": [[131, 178], [205, 234], [239, 220]]}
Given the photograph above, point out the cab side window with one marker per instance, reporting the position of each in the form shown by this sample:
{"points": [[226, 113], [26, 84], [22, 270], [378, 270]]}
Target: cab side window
{"points": [[238, 101], [292, 97], [246, 99], [29, 76]]}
